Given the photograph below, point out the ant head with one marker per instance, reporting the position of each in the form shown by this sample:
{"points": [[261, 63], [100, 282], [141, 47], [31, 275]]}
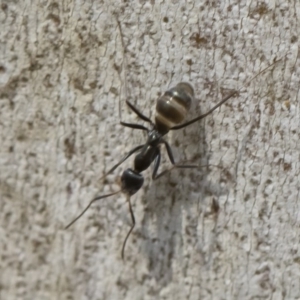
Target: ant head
{"points": [[131, 182]]}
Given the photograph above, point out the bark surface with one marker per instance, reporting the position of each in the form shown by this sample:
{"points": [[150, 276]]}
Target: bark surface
{"points": [[229, 231]]}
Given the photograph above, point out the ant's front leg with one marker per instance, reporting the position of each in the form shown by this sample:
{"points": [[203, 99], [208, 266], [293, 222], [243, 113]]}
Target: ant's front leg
{"points": [[140, 115], [123, 159]]}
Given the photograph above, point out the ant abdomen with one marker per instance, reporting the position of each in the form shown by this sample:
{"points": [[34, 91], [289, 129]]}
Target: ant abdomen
{"points": [[172, 107]]}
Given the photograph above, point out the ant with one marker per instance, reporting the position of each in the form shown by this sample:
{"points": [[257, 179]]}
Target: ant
{"points": [[171, 109]]}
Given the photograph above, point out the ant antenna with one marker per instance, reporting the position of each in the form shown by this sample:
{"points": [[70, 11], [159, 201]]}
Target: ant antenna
{"points": [[91, 202], [131, 228]]}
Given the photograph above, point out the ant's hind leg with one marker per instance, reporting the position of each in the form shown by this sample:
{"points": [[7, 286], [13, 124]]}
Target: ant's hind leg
{"points": [[134, 126], [138, 113], [205, 114]]}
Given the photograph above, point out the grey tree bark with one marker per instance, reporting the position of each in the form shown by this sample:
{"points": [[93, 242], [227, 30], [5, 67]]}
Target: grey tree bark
{"points": [[229, 231]]}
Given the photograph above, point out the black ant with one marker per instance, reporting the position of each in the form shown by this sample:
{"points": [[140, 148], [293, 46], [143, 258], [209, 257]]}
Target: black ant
{"points": [[171, 109]]}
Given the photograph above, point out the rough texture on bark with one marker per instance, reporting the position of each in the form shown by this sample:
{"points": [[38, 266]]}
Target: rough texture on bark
{"points": [[229, 231]]}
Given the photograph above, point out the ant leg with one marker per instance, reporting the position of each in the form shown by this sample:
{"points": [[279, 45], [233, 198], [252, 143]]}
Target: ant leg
{"points": [[131, 106], [171, 157], [134, 126], [123, 159], [206, 114], [226, 98], [169, 151], [179, 167], [156, 164], [138, 113], [131, 228], [183, 167]]}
